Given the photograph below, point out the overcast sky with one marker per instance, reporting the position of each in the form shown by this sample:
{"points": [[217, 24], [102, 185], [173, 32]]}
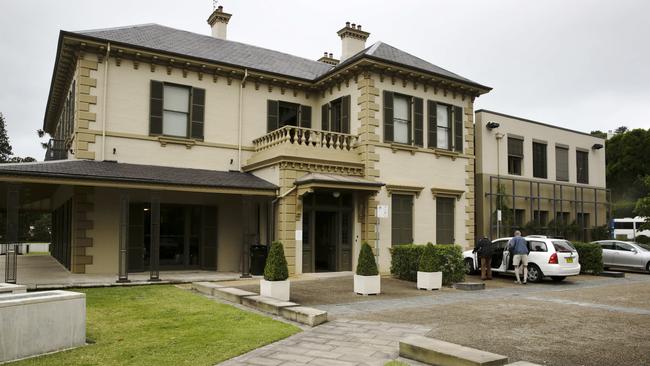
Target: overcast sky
{"points": [[583, 65]]}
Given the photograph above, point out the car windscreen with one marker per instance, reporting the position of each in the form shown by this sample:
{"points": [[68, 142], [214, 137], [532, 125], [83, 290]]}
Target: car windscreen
{"points": [[563, 246]]}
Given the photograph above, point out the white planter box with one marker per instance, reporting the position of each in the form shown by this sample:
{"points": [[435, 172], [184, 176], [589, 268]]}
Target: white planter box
{"points": [[275, 289], [429, 280], [367, 285]]}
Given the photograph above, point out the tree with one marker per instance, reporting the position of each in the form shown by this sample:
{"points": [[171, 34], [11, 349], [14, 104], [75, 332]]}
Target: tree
{"points": [[5, 146], [642, 207], [621, 129], [598, 133]]}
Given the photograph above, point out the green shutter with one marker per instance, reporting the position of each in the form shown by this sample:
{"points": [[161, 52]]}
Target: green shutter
{"points": [[418, 123], [345, 114], [305, 116], [272, 115], [198, 113], [388, 116], [458, 129], [445, 220], [432, 118], [325, 117], [156, 108]]}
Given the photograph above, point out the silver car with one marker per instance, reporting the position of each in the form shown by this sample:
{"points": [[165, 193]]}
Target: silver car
{"points": [[618, 253]]}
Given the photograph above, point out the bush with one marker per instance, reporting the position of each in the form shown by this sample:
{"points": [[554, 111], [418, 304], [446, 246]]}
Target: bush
{"points": [[448, 259], [366, 266], [428, 259], [642, 239], [276, 268], [591, 257]]}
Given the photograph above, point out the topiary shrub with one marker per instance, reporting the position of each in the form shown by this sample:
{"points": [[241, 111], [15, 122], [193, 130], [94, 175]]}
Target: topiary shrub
{"points": [[366, 265], [428, 259], [591, 257], [276, 268], [448, 259]]}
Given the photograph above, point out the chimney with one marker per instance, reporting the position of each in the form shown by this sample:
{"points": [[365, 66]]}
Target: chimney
{"points": [[218, 20], [353, 40], [328, 58]]}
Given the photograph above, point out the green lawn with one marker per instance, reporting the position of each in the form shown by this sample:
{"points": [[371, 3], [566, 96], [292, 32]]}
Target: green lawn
{"points": [[164, 325]]}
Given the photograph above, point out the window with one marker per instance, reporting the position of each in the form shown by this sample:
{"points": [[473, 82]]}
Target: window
{"points": [[582, 167], [582, 219], [445, 123], [445, 220], [515, 155], [335, 115], [562, 218], [624, 247], [537, 246], [280, 114], [561, 164], [539, 160], [402, 219], [627, 225], [519, 217], [540, 217], [176, 110], [607, 245], [563, 246], [403, 119]]}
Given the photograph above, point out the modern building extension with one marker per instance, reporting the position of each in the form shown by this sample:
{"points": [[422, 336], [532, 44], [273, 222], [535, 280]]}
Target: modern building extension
{"points": [[542, 179], [176, 150]]}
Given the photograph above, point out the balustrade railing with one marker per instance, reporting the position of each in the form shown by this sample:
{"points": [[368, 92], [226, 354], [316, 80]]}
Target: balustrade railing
{"points": [[306, 137]]}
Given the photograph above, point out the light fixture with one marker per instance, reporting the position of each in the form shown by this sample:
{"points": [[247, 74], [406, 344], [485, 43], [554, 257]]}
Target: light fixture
{"points": [[336, 194], [492, 125], [597, 146], [146, 208]]}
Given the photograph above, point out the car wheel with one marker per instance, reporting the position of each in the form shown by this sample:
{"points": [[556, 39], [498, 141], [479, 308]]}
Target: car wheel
{"points": [[534, 273], [469, 266], [558, 278]]}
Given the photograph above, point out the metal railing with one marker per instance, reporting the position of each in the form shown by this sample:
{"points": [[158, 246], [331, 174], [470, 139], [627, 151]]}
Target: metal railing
{"points": [[306, 137]]}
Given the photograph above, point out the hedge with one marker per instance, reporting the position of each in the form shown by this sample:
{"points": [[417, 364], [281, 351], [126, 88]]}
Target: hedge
{"points": [[448, 259], [276, 268], [427, 261], [591, 257], [366, 265]]}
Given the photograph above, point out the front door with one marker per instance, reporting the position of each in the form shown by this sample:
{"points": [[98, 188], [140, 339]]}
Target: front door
{"points": [[326, 241]]}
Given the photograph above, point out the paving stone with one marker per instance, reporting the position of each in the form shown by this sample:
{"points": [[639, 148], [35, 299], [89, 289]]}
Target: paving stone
{"points": [[323, 354], [523, 363], [231, 294], [329, 362], [263, 361], [291, 357]]}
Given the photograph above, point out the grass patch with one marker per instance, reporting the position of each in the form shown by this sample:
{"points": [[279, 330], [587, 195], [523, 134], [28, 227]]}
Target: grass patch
{"points": [[164, 325], [395, 363]]}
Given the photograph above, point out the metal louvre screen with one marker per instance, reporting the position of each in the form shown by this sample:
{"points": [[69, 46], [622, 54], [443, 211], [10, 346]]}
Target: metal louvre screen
{"points": [[515, 147]]}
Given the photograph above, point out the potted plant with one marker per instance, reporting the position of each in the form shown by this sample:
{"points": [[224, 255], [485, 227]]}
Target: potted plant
{"points": [[366, 279], [428, 277], [276, 273]]}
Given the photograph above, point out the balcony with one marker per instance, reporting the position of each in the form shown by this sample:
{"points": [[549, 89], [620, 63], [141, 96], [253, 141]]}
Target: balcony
{"points": [[305, 144], [56, 150]]}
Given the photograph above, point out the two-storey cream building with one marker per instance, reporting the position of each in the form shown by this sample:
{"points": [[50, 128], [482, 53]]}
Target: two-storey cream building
{"points": [[176, 150]]}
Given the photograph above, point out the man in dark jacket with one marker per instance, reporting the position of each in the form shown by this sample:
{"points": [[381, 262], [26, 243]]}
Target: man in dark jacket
{"points": [[484, 250]]}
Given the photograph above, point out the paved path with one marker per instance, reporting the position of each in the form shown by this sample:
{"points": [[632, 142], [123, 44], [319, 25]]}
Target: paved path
{"points": [[337, 343]]}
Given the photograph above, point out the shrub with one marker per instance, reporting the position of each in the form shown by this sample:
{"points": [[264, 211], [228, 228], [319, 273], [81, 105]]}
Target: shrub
{"points": [[366, 266], [427, 261], [276, 268], [591, 257], [447, 258], [642, 239]]}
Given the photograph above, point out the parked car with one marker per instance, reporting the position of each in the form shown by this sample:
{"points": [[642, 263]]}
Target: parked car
{"points": [[549, 257], [617, 253]]}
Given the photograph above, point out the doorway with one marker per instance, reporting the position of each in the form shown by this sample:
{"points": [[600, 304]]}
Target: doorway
{"points": [[325, 241]]}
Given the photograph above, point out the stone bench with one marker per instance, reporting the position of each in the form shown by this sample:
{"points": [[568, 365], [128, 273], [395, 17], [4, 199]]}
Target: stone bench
{"points": [[469, 286], [304, 315], [10, 288], [40, 322], [523, 363], [437, 352], [266, 304], [231, 294], [206, 288]]}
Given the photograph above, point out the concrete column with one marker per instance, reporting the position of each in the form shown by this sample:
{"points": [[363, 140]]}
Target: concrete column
{"points": [[13, 202], [123, 255], [154, 259]]}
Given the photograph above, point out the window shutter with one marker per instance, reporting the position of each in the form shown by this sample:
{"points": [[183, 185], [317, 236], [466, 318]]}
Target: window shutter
{"points": [[432, 116], [156, 108], [515, 147], [418, 123], [345, 114], [325, 117], [305, 116], [388, 116], [272, 115], [458, 129], [198, 113]]}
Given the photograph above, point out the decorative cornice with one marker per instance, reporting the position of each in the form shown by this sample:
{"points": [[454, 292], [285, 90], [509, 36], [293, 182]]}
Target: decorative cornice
{"points": [[446, 192], [218, 16], [398, 188]]}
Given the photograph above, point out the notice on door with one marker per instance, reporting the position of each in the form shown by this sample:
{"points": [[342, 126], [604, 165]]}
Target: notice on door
{"points": [[382, 211], [298, 234]]}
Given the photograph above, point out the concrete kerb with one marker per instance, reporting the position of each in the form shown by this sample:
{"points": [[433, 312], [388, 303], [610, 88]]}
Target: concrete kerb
{"points": [[206, 288], [437, 352]]}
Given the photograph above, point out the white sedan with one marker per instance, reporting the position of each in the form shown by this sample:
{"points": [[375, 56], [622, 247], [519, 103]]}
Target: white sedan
{"points": [[554, 258]]}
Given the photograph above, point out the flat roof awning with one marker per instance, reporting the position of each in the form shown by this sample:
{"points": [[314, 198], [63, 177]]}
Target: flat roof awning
{"points": [[139, 176], [311, 181]]}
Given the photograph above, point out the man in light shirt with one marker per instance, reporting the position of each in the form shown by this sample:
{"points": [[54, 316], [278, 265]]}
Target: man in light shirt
{"points": [[518, 247]]}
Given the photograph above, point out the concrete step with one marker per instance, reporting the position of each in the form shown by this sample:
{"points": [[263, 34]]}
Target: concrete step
{"points": [[266, 304], [10, 288], [612, 274], [523, 363], [205, 287], [304, 315], [231, 294], [441, 353], [469, 286]]}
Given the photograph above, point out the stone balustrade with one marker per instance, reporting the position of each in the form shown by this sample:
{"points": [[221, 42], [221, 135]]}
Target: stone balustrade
{"points": [[306, 137]]}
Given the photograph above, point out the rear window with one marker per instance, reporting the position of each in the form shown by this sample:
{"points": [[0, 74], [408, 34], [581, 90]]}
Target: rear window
{"points": [[563, 246]]}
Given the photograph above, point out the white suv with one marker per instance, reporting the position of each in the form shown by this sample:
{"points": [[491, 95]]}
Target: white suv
{"points": [[555, 258]]}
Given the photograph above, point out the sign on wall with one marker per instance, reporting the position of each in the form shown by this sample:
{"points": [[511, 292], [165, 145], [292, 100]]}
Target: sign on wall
{"points": [[382, 211]]}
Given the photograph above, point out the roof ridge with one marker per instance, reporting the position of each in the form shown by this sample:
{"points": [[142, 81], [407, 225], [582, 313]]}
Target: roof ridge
{"points": [[114, 28]]}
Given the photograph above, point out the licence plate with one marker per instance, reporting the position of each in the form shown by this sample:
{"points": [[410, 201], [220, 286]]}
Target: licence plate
{"points": [[569, 260]]}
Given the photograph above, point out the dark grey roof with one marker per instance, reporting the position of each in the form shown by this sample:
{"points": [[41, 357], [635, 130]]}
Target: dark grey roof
{"points": [[136, 173], [161, 38], [176, 41]]}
